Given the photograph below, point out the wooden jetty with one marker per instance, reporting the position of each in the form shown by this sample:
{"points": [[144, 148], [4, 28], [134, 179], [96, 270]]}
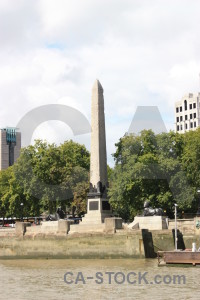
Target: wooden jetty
{"points": [[178, 257]]}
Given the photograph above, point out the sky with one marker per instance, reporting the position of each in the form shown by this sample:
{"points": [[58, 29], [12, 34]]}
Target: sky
{"points": [[144, 53]]}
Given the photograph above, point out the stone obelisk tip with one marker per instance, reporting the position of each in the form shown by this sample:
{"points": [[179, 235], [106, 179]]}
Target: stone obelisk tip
{"points": [[97, 85]]}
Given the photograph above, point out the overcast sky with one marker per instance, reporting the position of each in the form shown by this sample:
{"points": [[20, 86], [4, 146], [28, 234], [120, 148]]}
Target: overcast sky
{"points": [[51, 51]]}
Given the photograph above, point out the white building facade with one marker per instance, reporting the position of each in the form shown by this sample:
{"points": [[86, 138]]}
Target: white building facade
{"points": [[187, 113]]}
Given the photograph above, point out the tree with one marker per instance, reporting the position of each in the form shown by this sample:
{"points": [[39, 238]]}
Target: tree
{"points": [[44, 177], [149, 166], [80, 198], [191, 159], [5, 177]]}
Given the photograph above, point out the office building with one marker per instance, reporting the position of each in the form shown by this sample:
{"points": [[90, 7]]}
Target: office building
{"points": [[10, 145], [187, 113]]}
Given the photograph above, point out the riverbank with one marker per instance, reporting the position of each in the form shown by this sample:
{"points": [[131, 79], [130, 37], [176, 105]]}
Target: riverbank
{"points": [[122, 244]]}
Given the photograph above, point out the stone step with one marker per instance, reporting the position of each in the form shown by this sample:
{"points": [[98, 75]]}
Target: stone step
{"points": [[85, 228], [96, 218]]}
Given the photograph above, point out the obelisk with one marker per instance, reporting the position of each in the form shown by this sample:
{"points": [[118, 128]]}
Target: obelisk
{"points": [[98, 206], [98, 159]]}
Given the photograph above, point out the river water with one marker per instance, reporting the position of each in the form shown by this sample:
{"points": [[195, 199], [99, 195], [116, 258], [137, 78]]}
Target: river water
{"points": [[96, 279]]}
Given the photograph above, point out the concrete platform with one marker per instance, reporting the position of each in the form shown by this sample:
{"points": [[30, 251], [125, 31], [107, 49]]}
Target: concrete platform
{"points": [[110, 225], [94, 221], [150, 223]]}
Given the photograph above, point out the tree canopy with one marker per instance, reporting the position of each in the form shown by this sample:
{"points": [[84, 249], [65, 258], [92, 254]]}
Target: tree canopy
{"points": [[162, 168], [44, 177]]}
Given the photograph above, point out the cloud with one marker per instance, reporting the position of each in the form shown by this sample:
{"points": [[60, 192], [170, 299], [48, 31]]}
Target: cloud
{"points": [[143, 52]]}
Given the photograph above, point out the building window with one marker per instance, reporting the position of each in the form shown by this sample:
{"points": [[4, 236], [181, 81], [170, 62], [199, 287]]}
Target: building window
{"points": [[190, 116], [190, 106], [195, 125], [181, 127], [195, 115], [180, 108], [181, 118], [185, 104], [185, 117], [177, 119], [191, 125], [178, 128], [185, 126], [194, 105], [177, 110]]}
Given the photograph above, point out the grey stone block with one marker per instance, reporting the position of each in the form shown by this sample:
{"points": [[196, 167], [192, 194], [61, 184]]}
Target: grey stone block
{"points": [[64, 226], [111, 224], [20, 228]]}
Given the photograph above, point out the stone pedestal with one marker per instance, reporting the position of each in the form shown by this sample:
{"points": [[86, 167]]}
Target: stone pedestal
{"points": [[98, 209], [111, 224], [150, 223], [20, 228], [64, 226]]}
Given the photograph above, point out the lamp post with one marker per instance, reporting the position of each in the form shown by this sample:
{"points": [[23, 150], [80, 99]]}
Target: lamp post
{"points": [[198, 196], [175, 213], [22, 205]]}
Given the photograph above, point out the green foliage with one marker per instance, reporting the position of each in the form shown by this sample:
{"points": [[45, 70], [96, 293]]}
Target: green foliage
{"points": [[44, 177], [110, 172], [80, 197], [191, 156], [5, 178], [151, 167], [163, 168]]}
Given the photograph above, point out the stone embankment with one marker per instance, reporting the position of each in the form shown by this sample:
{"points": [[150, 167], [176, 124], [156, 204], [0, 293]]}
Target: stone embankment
{"points": [[51, 240]]}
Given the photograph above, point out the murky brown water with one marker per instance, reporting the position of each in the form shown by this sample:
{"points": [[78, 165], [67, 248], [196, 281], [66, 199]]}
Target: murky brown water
{"points": [[44, 279]]}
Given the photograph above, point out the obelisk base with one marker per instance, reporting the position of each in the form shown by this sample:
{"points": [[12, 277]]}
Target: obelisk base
{"points": [[98, 210]]}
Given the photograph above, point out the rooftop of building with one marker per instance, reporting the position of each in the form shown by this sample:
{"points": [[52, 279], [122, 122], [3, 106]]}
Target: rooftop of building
{"points": [[189, 97]]}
